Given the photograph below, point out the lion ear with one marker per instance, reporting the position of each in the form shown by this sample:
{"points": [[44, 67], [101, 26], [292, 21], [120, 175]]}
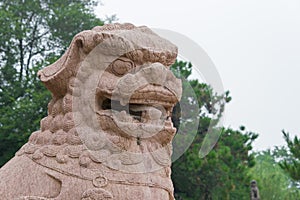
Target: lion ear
{"points": [[57, 75]]}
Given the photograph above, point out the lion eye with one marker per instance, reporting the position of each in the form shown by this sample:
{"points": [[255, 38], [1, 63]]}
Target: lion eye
{"points": [[122, 66]]}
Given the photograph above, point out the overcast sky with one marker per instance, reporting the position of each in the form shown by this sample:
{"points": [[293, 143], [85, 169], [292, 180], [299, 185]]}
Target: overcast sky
{"points": [[255, 45]]}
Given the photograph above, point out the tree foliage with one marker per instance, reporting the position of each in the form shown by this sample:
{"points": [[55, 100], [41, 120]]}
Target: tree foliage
{"points": [[291, 163], [273, 182], [34, 33], [223, 173]]}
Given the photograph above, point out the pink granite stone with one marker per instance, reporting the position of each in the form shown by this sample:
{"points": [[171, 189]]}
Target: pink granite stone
{"points": [[108, 132]]}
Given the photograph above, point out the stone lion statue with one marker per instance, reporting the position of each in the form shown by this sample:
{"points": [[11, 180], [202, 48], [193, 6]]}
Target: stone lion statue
{"points": [[108, 132]]}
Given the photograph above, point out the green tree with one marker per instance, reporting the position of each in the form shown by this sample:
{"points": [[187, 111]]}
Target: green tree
{"points": [[223, 173], [273, 182], [34, 33], [291, 162]]}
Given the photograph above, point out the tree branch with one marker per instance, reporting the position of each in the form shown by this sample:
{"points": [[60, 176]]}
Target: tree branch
{"points": [[31, 48], [21, 59]]}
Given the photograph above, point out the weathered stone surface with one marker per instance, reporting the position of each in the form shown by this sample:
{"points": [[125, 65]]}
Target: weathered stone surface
{"points": [[108, 131]]}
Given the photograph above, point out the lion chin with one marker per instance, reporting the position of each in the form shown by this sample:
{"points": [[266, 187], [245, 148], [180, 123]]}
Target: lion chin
{"points": [[108, 133]]}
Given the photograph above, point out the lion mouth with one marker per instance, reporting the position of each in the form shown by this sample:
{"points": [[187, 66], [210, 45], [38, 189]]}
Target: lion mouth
{"points": [[135, 112], [147, 112]]}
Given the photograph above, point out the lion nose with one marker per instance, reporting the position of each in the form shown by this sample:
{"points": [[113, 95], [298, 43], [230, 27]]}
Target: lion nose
{"points": [[155, 74]]}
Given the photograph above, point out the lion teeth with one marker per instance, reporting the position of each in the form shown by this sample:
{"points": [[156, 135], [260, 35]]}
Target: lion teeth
{"points": [[123, 116], [149, 113]]}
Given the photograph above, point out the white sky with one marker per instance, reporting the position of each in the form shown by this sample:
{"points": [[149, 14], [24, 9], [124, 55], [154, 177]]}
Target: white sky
{"points": [[255, 45]]}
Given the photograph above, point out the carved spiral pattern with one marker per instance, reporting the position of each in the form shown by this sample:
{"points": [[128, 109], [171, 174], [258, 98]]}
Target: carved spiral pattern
{"points": [[73, 138], [46, 123], [59, 138], [44, 138], [67, 103], [57, 108], [57, 123], [68, 122]]}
